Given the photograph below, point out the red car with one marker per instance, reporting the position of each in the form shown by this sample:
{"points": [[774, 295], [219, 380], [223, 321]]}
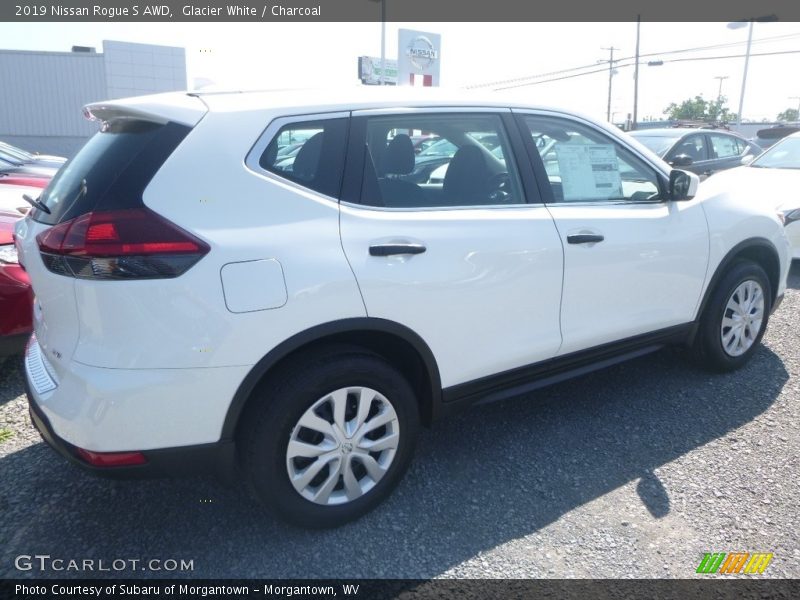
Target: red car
{"points": [[16, 296]]}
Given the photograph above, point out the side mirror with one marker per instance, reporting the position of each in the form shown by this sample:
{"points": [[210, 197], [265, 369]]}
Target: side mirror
{"points": [[682, 185], [682, 160], [747, 159]]}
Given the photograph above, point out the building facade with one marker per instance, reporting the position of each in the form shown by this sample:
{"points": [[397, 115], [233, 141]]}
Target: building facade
{"points": [[43, 93]]}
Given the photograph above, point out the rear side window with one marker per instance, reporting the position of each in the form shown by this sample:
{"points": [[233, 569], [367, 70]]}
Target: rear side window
{"points": [[725, 146], [111, 171], [309, 153]]}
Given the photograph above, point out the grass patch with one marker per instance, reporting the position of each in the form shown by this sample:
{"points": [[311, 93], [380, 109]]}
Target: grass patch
{"points": [[5, 435]]}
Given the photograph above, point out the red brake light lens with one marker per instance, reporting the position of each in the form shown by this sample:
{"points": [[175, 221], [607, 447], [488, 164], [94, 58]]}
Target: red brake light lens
{"points": [[121, 244]]}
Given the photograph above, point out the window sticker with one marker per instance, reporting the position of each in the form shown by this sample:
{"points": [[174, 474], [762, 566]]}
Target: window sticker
{"points": [[589, 171]]}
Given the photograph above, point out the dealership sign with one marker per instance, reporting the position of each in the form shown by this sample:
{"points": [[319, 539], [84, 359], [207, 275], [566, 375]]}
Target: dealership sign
{"points": [[370, 71], [418, 57]]}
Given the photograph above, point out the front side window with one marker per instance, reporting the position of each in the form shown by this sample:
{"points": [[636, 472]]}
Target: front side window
{"points": [[466, 165], [309, 153], [585, 165]]}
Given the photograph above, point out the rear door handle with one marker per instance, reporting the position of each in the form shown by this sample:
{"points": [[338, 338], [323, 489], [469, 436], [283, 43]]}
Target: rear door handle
{"points": [[584, 238], [394, 249]]}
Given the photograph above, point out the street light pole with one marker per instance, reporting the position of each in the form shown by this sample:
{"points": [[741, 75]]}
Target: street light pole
{"points": [[382, 80], [738, 25], [383, 42], [636, 76], [744, 76]]}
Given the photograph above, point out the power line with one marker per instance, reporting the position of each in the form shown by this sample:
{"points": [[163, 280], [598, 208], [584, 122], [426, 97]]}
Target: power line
{"points": [[631, 64], [666, 52]]}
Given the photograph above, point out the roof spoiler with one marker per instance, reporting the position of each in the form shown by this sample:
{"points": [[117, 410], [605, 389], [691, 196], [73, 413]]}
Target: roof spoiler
{"points": [[157, 108]]}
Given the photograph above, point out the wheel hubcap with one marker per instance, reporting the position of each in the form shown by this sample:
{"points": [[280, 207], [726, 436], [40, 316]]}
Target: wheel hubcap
{"points": [[741, 321], [342, 446]]}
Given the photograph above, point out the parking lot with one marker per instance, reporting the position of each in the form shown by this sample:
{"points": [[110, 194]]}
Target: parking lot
{"points": [[634, 471]]}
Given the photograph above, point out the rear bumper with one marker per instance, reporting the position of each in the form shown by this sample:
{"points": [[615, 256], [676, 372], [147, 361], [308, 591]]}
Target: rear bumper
{"points": [[172, 416], [218, 458]]}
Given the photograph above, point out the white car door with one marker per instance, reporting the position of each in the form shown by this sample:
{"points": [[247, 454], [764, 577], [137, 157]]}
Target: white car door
{"points": [[472, 264], [634, 263]]}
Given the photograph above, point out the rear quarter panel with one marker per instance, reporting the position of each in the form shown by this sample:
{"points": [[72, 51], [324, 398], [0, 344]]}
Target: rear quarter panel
{"points": [[206, 188]]}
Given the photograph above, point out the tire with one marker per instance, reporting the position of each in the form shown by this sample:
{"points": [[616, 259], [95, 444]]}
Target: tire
{"points": [[308, 389], [715, 347]]}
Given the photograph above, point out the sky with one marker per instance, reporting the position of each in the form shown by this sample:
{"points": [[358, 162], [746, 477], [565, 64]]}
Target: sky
{"points": [[309, 55]]}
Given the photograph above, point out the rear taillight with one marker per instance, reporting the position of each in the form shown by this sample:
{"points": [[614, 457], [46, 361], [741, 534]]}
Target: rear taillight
{"points": [[131, 243]]}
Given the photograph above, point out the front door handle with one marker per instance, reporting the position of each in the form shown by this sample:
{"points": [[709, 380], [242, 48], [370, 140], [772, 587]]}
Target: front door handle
{"points": [[584, 238], [394, 249]]}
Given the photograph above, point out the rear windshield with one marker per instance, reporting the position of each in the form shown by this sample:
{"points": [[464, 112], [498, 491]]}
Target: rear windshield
{"points": [[657, 143], [111, 170]]}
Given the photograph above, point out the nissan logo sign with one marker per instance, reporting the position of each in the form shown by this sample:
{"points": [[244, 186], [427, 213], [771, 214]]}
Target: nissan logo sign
{"points": [[421, 53]]}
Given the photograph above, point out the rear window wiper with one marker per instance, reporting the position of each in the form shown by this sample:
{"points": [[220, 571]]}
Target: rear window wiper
{"points": [[36, 203]]}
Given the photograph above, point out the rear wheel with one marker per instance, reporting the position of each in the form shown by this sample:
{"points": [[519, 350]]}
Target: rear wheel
{"points": [[330, 437], [735, 319]]}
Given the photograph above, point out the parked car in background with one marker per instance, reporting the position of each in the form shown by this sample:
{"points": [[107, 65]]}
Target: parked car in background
{"points": [[13, 187], [198, 307], [16, 297], [771, 135], [702, 151], [10, 165], [773, 177], [421, 142], [42, 160]]}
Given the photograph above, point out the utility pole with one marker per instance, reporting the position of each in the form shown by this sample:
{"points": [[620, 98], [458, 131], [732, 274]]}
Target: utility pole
{"points": [[636, 76], [721, 79], [610, 78]]}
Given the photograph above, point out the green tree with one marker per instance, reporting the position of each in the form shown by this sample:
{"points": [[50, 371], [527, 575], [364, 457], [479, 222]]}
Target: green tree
{"points": [[700, 109], [790, 114]]}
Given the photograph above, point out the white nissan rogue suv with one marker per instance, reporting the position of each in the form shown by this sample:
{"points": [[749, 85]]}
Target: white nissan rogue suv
{"points": [[210, 297]]}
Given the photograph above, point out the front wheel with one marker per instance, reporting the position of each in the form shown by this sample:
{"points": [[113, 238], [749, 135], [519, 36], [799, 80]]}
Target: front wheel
{"points": [[735, 319], [330, 437]]}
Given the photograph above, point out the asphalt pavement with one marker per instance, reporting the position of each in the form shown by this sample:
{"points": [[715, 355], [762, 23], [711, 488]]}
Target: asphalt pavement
{"points": [[634, 471]]}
